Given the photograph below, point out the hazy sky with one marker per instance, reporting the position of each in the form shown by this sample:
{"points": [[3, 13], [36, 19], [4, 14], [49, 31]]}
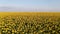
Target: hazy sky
{"points": [[29, 5]]}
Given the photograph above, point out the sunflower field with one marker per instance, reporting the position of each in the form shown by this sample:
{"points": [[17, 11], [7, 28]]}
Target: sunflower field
{"points": [[27, 24]]}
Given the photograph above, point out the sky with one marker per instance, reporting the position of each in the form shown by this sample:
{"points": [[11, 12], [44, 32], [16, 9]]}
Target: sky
{"points": [[29, 5]]}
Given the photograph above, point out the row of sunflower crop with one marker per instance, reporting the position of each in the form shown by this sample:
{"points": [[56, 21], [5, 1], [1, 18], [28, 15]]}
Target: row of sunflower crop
{"points": [[30, 25]]}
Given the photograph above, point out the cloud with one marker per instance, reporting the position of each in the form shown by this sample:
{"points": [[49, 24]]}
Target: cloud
{"points": [[26, 9], [16, 7]]}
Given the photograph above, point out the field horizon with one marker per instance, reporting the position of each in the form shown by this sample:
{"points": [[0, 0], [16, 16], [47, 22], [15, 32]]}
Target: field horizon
{"points": [[30, 13]]}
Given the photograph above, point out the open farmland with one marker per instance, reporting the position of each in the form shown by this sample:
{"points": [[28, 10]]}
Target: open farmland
{"points": [[29, 23]]}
